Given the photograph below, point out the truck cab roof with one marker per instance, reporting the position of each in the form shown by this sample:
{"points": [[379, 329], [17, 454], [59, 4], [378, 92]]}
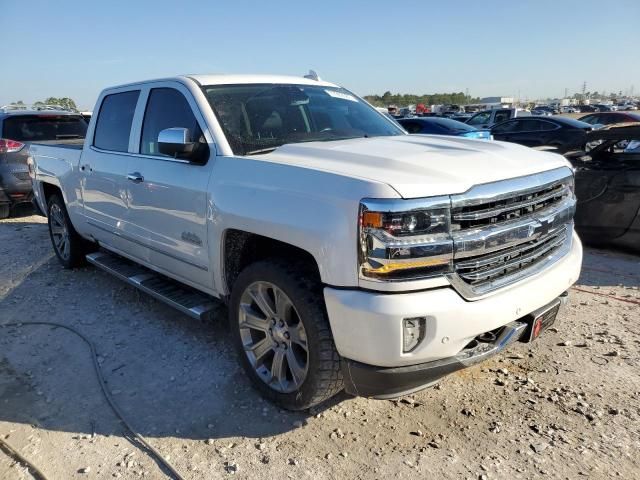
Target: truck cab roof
{"points": [[227, 79]]}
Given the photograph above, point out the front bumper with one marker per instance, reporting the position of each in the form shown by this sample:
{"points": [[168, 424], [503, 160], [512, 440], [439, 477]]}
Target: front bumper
{"points": [[367, 326], [390, 382]]}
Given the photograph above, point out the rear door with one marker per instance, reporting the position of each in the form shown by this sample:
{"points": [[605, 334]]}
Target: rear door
{"points": [[530, 133], [505, 131], [103, 168], [167, 197]]}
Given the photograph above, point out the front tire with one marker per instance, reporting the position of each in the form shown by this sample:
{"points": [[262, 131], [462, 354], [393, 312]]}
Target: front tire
{"points": [[282, 335], [69, 246]]}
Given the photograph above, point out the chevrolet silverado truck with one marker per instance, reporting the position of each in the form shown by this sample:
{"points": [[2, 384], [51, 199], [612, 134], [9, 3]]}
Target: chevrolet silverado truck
{"points": [[351, 255]]}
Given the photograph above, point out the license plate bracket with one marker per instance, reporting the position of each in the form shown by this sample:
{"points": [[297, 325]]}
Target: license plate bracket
{"points": [[540, 320]]}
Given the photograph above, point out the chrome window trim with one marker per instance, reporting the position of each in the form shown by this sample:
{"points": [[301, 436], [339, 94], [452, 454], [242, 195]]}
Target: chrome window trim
{"points": [[141, 155]]}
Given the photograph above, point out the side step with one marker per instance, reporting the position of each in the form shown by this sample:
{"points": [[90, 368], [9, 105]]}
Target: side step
{"points": [[181, 297]]}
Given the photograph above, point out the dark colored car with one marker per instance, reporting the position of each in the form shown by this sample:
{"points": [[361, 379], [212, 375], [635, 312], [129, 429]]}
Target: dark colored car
{"points": [[608, 187], [19, 128], [609, 118], [442, 126], [564, 134], [588, 108]]}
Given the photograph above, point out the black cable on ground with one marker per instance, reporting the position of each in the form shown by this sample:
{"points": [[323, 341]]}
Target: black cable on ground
{"points": [[107, 395], [12, 452]]}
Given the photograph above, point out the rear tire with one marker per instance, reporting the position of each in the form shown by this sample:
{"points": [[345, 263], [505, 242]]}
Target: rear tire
{"points": [[282, 335], [69, 246], [5, 211]]}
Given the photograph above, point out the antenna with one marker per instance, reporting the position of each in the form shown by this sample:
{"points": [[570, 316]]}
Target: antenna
{"points": [[312, 75]]}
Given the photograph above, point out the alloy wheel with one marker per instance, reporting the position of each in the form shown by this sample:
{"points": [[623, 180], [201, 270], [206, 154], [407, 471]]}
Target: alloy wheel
{"points": [[59, 232], [273, 337]]}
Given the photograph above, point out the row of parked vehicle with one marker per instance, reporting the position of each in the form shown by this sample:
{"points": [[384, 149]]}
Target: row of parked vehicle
{"points": [[603, 148], [573, 138]]}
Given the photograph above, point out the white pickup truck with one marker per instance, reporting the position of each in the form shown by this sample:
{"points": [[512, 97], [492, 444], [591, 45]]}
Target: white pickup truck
{"points": [[351, 254]]}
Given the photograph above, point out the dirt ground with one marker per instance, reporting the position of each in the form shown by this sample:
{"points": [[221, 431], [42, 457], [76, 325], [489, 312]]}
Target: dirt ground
{"points": [[566, 406]]}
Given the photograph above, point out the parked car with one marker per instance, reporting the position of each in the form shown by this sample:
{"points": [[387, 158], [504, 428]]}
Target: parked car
{"points": [[588, 108], [488, 118], [350, 254], [20, 127], [608, 187], [541, 112], [443, 126], [609, 118], [562, 133]]}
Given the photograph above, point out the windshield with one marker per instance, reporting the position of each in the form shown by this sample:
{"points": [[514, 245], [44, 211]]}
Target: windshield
{"points": [[258, 118]]}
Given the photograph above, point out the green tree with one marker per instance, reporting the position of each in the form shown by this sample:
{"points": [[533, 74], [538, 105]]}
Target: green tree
{"points": [[64, 102], [457, 98]]}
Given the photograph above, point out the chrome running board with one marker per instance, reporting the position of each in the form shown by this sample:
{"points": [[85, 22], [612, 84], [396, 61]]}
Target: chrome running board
{"points": [[181, 297]]}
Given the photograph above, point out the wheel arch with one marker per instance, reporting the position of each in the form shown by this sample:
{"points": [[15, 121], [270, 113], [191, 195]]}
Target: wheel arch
{"points": [[48, 190], [241, 248]]}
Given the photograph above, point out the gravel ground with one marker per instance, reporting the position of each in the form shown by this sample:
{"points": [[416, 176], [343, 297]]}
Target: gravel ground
{"points": [[566, 406]]}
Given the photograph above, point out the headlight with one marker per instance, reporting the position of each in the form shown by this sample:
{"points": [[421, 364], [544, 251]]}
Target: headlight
{"points": [[405, 239]]}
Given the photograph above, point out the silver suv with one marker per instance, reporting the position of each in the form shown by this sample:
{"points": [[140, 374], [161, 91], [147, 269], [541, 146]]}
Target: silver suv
{"points": [[18, 128]]}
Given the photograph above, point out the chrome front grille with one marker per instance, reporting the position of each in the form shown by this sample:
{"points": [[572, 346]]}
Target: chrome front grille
{"points": [[479, 270], [508, 230]]}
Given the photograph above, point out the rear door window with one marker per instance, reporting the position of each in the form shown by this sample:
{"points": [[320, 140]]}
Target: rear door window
{"points": [[113, 125], [547, 126], [412, 127], [167, 108], [507, 127], [502, 115], [531, 125], [44, 127]]}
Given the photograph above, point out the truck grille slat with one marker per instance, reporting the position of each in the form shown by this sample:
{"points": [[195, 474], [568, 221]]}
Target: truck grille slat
{"points": [[509, 260], [512, 208]]}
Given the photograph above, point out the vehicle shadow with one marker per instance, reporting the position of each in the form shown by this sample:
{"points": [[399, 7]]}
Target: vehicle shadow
{"points": [[170, 375], [22, 210], [607, 268]]}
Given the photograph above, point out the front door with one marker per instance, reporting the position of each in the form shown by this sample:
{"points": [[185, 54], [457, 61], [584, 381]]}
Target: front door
{"points": [[168, 197]]}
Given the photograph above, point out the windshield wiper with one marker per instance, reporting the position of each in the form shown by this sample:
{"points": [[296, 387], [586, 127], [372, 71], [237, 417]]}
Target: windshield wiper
{"points": [[260, 150]]}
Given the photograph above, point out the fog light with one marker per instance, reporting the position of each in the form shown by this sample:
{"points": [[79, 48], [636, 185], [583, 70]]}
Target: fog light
{"points": [[413, 330]]}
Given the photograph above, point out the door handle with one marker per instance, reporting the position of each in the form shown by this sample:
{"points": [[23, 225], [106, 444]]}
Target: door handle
{"points": [[135, 177]]}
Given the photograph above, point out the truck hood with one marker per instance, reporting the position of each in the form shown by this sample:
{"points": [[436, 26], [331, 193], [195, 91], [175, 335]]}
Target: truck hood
{"points": [[419, 165]]}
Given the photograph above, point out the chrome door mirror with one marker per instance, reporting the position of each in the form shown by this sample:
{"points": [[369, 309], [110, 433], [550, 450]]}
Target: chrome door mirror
{"points": [[176, 142]]}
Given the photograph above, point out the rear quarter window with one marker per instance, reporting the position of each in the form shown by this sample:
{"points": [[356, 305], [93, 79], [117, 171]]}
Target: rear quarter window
{"points": [[45, 127], [113, 125]]}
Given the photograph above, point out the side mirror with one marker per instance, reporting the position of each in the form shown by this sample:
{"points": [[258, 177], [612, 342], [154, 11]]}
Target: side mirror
{"points": [[176, 142]]}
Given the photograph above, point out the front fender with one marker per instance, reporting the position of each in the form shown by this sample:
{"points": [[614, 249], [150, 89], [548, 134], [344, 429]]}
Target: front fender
{"points": [[313, 210]]}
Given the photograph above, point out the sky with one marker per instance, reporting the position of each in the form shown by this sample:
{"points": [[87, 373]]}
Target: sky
{"points": [[533, 48]]}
